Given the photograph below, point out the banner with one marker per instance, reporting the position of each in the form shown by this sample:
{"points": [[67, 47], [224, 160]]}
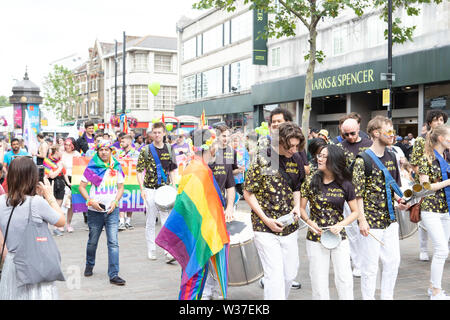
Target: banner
{"points": [[34, 117], [131, 200], [29, 135], [260, 19], [18, 116]]}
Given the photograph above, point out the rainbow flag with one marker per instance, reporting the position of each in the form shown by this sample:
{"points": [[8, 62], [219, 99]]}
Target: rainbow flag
{"points": [[49, 165], [96, 169], [202, 119], [195, 230]]}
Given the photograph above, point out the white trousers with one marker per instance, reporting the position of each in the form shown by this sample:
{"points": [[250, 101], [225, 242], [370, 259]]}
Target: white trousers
{"points": [[152, 211], [319, 269], [438, 227], [423, 240], [389, 254], [280, 261], [354, 238]]}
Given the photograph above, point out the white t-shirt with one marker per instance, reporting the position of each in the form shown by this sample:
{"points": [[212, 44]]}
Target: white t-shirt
{"points": [[106, 192], [67, 160]]}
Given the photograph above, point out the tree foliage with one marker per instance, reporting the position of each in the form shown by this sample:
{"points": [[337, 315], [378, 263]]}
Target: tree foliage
{"points": [[4, 101], [286, 14], [61, 92]]}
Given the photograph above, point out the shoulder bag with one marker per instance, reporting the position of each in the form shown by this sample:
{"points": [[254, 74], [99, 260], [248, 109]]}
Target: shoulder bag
{"points": [[37, 258], [4, 240]]}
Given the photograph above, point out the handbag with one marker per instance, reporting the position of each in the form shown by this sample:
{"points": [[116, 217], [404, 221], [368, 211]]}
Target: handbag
{"points": [[4, 241], [37, 257], [414, 212]]}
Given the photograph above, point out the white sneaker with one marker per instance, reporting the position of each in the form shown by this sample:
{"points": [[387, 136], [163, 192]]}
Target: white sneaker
{"points": [[151, 255], [424, 256], [430, 292], [440, 296], [169, 258], [356, 272]]}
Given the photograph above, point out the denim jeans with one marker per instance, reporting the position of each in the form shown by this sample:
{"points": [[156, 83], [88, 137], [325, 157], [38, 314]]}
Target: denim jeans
{"points": [[96, 222]]}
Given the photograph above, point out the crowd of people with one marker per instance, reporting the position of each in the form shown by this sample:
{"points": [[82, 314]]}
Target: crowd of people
{"points": [[351, 186]]}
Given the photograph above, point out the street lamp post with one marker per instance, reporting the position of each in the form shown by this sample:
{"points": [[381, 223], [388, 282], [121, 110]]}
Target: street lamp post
{"points": [[390, 75]]}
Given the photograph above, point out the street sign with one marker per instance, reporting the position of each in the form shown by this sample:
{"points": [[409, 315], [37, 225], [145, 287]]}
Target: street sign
{"points": [[386, 76], [386, 97]]}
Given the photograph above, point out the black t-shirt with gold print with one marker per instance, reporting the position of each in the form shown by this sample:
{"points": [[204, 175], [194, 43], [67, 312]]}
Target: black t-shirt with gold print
{"points": [[273, 192], [351, 150], [438, 201], [148, 165], [373, 190], [327, 207]]}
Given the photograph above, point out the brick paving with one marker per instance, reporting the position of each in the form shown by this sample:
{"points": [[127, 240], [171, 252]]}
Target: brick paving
{"points": [[156, 280]]}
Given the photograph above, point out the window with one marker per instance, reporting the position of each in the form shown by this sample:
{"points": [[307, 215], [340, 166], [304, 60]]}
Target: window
{"points": [[139, 97], [227, 33], [165, 100], [241, 26], [340, 36], [213, 39], [242, 76], [188, 89], [375, 33], [275, 53], [86, 108], [190, 49], [140, 62], [163, 63], [107, 101], [212, 82]]}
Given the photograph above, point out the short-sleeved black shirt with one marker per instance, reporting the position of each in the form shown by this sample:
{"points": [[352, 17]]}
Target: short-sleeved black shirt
{"points": [[222, 168]]}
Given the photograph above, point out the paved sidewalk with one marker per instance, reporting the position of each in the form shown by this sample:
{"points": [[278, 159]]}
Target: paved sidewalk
{"points": [[148, 280]]}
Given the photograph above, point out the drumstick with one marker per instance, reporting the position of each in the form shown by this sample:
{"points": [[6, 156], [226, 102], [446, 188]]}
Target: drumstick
{"points": [[376, 239], [309, 226]]}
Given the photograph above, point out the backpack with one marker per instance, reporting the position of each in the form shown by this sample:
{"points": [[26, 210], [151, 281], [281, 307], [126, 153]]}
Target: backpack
{"points": [[368, 162]]}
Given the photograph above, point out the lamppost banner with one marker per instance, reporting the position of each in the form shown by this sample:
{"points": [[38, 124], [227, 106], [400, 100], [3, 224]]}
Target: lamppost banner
{"points": [[260, 20]]}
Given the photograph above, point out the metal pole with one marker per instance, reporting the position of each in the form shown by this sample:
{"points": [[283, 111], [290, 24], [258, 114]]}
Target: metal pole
{"points": [[123, 73], [389, 78], [115, 80]]}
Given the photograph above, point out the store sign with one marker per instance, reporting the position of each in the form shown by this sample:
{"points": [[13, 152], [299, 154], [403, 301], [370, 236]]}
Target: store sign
{"points": [[439, 103], [386, 97], [344, 79], [259, 43]]}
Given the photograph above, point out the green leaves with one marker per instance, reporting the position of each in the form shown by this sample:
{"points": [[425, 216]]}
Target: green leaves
{"points": [[61, 91]]}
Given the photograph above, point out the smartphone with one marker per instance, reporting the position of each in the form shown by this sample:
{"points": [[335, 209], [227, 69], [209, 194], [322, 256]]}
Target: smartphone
{"points": [[41, 173], [101, 205]]}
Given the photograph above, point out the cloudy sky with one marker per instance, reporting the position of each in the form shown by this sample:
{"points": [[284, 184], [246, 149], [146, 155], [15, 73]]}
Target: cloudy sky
{"points": [[35, 33]]}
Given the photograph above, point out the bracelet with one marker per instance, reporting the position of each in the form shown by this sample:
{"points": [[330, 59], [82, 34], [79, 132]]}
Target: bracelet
{"points": [[117, 203], [89, 202]]}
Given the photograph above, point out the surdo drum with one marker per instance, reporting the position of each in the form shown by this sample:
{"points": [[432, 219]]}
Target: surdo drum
{"points": [[165, 198], [244, 265]]}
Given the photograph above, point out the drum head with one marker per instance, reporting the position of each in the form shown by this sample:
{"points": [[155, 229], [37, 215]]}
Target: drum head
{"points": [[329, 240], [165, 196]]}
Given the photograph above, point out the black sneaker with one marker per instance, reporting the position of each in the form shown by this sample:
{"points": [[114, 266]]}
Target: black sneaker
{"points": [[118, 281], [88, 271]]}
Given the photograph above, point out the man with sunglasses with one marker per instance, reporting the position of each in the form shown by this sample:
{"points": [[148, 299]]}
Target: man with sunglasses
{"points": [[353, 144], [377, 202]]}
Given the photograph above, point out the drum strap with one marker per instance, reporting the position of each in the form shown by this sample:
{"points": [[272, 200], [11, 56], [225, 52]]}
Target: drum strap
{"points": [[159, 168], [444, 171], [389, 182]]}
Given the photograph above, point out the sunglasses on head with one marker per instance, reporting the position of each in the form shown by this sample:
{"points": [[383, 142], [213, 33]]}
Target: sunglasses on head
{"points": [[353, 133]]}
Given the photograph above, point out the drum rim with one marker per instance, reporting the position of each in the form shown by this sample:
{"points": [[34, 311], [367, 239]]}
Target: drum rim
{"points": [[336, 235]]}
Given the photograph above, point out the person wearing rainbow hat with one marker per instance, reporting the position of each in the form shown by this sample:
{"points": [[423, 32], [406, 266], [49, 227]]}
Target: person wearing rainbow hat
{"points": [[106, 177]]}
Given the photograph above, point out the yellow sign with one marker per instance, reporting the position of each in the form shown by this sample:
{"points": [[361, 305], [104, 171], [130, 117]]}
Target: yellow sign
{"points": [[44, 122], [386, 97]]}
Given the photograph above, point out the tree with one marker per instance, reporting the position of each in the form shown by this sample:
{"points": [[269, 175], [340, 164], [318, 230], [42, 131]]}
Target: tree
{"points": [[4, 101], [288, 13], [61, 92]]}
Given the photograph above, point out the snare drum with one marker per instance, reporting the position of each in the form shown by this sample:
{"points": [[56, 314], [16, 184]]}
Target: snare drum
{"points": [[165, 198], [244, 265], [330, 240]]}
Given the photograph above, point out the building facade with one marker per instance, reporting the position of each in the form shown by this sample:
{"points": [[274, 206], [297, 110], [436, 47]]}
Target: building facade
{"points": [[348, 80], [148, 59]]}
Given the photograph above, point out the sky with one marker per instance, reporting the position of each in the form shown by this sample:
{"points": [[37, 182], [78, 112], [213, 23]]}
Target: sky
{"points": [[35, 33]]}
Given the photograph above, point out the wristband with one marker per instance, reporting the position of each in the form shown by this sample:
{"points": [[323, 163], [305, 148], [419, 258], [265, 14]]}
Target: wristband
{"points": [[399, 200], [117, 203], [88, 202]]}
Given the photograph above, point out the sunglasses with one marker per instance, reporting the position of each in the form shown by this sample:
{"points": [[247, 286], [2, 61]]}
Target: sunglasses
{"points": [[353, 133], [389, 133]]}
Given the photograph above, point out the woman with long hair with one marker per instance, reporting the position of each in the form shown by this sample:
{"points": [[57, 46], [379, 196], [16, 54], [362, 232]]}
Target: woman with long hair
{"points": [[314, 147], [56, 174], [67, 161], [327, 190], [435, 208], [43, 207]]}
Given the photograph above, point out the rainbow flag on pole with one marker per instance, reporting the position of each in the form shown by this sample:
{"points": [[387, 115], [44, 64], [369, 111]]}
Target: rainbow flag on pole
{"points": [[202, 119], [195, 230]]}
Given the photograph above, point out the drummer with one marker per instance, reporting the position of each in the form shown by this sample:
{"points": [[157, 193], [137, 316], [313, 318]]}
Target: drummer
{"points": [[434, 208], [327, 190], [376, 215], [272, 192], [223, 168], [150, 179]]}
